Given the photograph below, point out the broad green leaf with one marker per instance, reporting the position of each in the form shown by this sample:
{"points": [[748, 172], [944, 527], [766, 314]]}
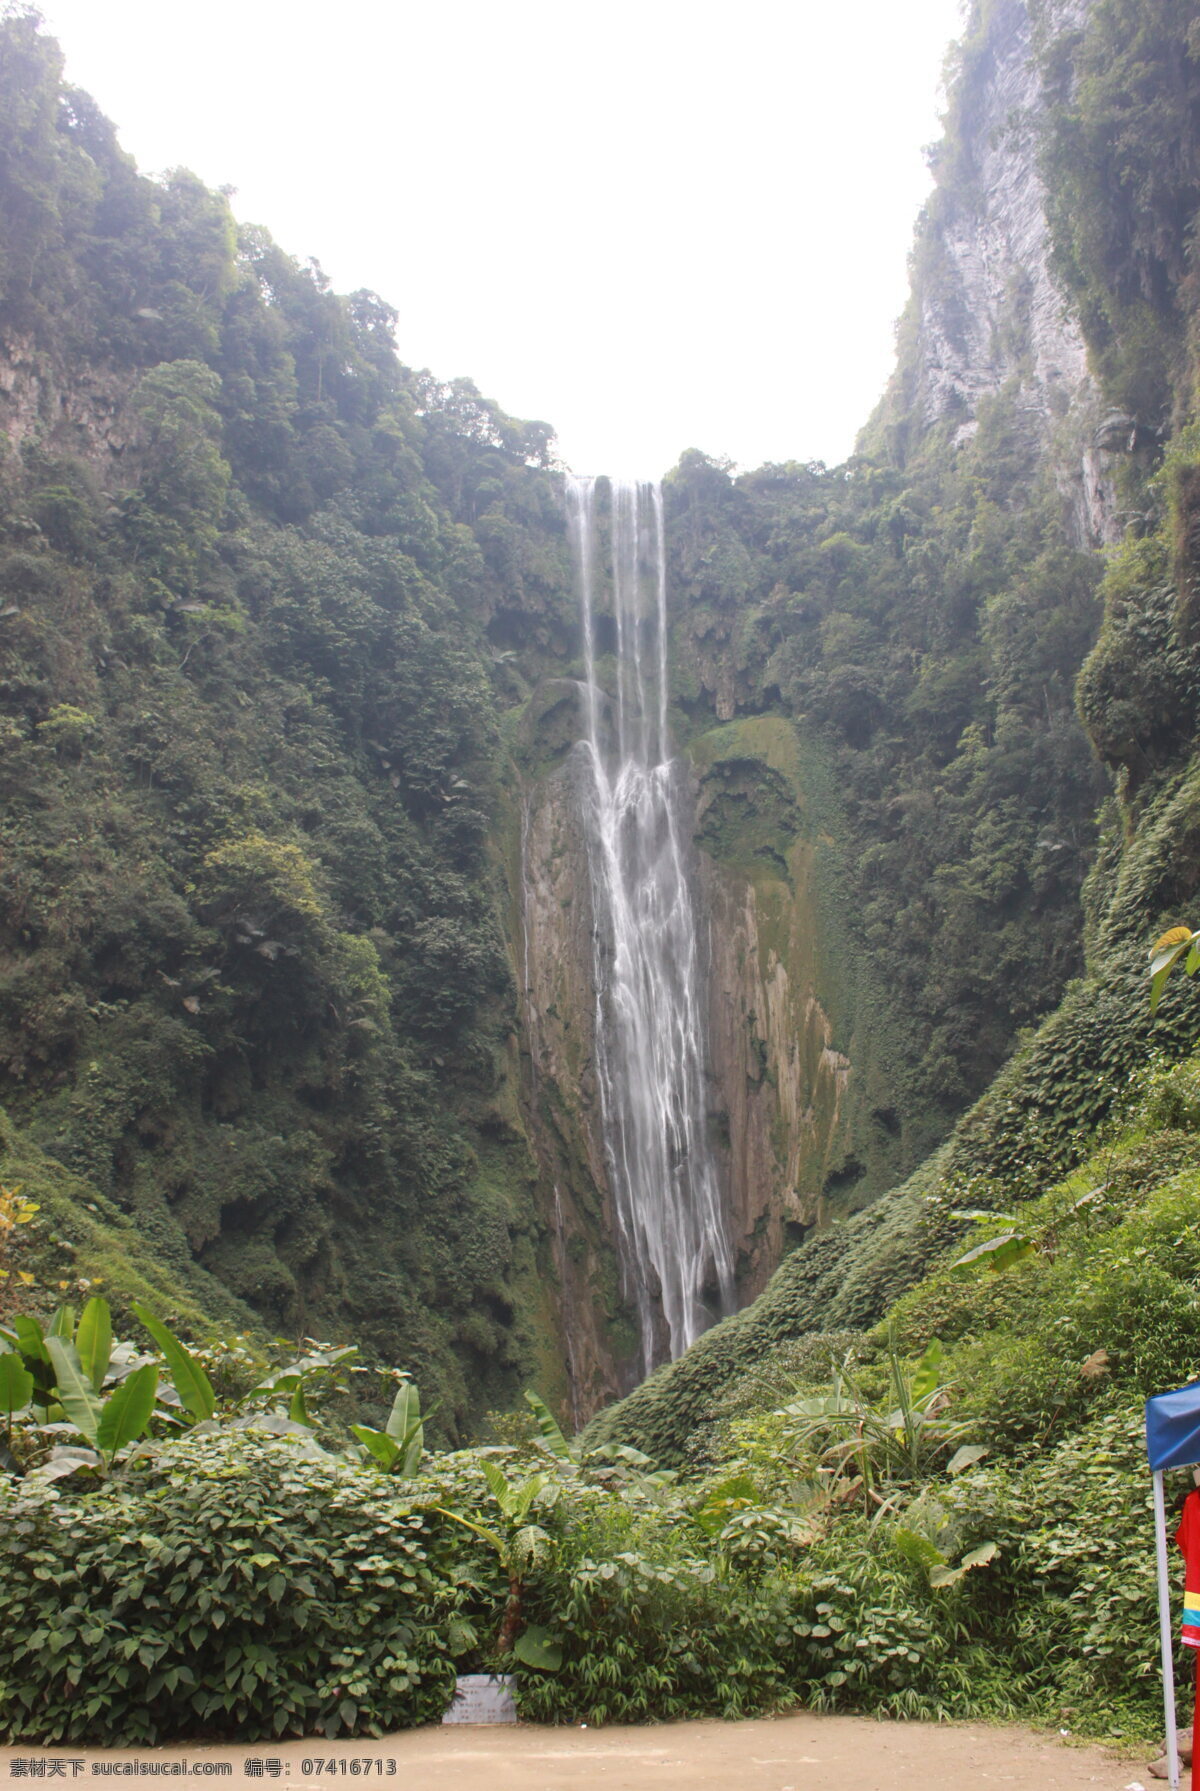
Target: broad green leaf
{"points": [[405, 1415], [489, 1536], [282, 1380], [522, 1496], [297, 1410], [191, 1383], [1193, 959], [128, 1411], [1156, 985], [549, 1428], [927, 1375], [62, 1324], [978, 1557], [499, 1485], [406, 1427], [61, 1462], [383, 1447], [538, 1648], [966, 1457], [94, 1340], [997, 1253], [16, 1385], [29, 1337], [73, 1387]]}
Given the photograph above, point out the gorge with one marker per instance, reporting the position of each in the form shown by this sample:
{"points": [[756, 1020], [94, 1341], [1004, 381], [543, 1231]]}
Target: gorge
{"points": [[507, 921]]}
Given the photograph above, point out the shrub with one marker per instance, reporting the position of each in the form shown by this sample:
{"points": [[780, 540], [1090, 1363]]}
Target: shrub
{"points": [[228, 1585], [649, 1626]]}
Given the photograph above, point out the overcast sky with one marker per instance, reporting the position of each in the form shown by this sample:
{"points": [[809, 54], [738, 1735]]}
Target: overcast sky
{"points": [[655, 225]]}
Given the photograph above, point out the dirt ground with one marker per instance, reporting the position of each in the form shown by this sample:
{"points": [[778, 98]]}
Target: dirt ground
{"points": [[787, 1753]]}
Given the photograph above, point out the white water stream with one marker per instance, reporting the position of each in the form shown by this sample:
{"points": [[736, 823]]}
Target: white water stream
{"points": [[674, 1247]]}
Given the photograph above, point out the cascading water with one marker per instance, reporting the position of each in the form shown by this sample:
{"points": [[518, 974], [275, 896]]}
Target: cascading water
{"points": [[649, 1038]]}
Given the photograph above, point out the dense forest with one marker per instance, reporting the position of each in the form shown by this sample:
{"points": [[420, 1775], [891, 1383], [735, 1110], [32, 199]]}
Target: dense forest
{"points": [[254, 986], [286, 634]]}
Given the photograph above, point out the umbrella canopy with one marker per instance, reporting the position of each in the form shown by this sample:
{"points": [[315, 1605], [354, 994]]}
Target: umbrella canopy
{"points": [[1172, 1441], [1173, 1428]]}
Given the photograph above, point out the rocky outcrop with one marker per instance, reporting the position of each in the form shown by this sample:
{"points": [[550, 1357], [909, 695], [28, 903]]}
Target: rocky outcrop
{"points": [[987, 313], [778, 1083], [558, 1006], [83, 414]]}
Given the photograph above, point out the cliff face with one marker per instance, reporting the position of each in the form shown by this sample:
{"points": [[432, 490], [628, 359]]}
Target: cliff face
{"points": [[800, 1114], [558, 1007], [988, 314], [80, 411]]}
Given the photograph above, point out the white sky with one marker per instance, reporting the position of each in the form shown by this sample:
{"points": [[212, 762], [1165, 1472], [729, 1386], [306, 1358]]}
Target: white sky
{"points": [[655, 225]]}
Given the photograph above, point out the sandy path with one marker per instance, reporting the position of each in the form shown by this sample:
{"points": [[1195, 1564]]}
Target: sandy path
{"points": [[788, 1753]]}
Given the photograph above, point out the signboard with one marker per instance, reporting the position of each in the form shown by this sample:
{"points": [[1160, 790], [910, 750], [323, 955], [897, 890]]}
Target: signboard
{"points": [[483, 1698]]}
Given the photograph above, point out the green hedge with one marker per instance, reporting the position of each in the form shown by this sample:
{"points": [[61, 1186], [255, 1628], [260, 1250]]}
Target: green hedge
{"points": [[237, 1587]]}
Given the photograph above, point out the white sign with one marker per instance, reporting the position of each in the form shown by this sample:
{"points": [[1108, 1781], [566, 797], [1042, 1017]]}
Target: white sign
{"points": [[483, 1698]]}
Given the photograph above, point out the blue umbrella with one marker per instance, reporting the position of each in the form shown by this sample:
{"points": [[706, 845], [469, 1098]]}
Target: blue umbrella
{"points": [[1172, 1441]]}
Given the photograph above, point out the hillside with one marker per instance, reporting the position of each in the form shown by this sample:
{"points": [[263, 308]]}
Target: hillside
{"points": [[254, 995]]}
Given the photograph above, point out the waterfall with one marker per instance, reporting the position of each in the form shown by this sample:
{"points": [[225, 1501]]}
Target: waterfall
{"points": [[674, 1248]]}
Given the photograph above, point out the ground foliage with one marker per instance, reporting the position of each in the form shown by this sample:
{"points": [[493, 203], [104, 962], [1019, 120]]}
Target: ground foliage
{"points": [[233, 1582]]}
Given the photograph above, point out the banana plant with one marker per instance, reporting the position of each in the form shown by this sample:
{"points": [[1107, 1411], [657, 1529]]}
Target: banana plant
{"points": [[59, 1375], [190, 1382], [550, 1433], [519, 1547], [397, 1448], [16, 1397], [293, 1382], [107, 1424], [74, 1373]]}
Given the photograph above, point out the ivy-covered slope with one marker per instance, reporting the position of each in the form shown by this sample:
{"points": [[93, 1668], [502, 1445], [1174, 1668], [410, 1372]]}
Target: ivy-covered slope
{"points": [[1123, 211], [253, 990]]}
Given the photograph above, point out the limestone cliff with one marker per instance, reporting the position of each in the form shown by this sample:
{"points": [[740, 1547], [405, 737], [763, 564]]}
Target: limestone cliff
{"points": [[987, 314], [799, 1104]]}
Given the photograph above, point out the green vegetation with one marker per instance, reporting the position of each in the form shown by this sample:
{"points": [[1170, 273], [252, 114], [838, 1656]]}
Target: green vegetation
{"points": [[254, 995], [924, 621], [946, 1516]]}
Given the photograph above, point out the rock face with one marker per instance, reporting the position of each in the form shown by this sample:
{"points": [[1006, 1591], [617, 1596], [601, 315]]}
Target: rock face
{"points": [[777, 1080], [84, 414], [986, 309], [801, 1111], [799, 1117], [560, 1096]]}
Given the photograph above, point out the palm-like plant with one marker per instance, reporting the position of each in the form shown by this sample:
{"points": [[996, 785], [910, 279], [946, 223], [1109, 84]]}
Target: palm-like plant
{"points": [[903, 1438], [519, 1545]]}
